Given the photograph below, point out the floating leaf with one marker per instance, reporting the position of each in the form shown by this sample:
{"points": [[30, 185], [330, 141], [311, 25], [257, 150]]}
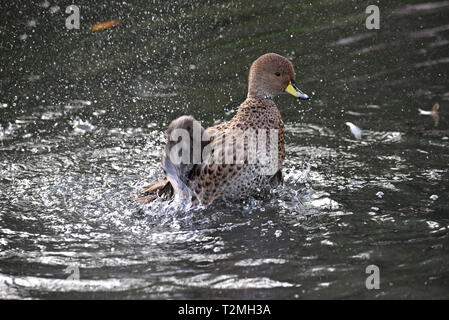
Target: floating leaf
{"points": [[105, 25]]}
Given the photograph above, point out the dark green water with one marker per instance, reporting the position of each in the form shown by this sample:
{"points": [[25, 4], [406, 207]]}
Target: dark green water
{"points": [[82, 122]]}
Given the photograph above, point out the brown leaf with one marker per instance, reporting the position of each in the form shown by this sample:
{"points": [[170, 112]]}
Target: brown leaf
{"points": [[105, 25]]}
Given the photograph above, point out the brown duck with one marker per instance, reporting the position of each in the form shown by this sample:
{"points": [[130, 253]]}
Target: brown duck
{"points": [[236, 165]]}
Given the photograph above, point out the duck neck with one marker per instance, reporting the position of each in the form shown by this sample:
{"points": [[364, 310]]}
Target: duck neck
{"points": [[258, 103], [259, 95], [258, 89]]}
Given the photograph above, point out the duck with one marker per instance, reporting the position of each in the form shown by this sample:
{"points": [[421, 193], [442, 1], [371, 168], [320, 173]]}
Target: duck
{"points": [[234, 159]]}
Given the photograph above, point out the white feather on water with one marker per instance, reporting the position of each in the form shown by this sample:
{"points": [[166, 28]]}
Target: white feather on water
{"points": [[356, 131], [433, 113], [425, 113]]}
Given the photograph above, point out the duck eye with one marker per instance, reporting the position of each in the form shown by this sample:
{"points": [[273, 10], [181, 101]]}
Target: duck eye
{"points": [[277, 74]]}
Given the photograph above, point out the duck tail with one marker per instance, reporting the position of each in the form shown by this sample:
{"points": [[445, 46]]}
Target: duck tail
{"points": [[156, 189], [175, 172]]}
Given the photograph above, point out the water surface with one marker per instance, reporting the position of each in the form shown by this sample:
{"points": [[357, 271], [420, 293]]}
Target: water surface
{"points": [[82, 122]]}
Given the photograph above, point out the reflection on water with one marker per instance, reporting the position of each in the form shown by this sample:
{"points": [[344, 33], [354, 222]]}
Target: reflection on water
{"points": [[82, 127]]}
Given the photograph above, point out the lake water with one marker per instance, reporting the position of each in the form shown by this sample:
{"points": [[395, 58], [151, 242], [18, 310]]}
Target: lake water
{"points": [[82, 125]]}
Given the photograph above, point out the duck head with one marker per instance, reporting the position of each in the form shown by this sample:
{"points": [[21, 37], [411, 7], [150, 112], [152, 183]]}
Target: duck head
{"points": [[272, 74]]}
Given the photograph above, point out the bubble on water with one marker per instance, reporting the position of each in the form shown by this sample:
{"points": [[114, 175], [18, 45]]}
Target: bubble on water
{"points": [[278, 233], [433, 197], [392, 136], [380, 194], [324, 284], [50, 115], [81, 127], [77, 104], [259, 262], [54, 9], [362, 256], [33, 77], [327, 242], [433, 224], [31, 23], [99, 112], [45, 4]]}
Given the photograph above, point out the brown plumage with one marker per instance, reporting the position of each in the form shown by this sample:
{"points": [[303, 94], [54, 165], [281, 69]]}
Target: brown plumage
{"points": [[205, 181]]}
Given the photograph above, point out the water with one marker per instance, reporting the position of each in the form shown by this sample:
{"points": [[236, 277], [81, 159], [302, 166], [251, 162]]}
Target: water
{"points": [[82, 127]]}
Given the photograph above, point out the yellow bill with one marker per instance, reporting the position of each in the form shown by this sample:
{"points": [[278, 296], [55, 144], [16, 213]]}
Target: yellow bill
{"points": [[294, 91]]}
